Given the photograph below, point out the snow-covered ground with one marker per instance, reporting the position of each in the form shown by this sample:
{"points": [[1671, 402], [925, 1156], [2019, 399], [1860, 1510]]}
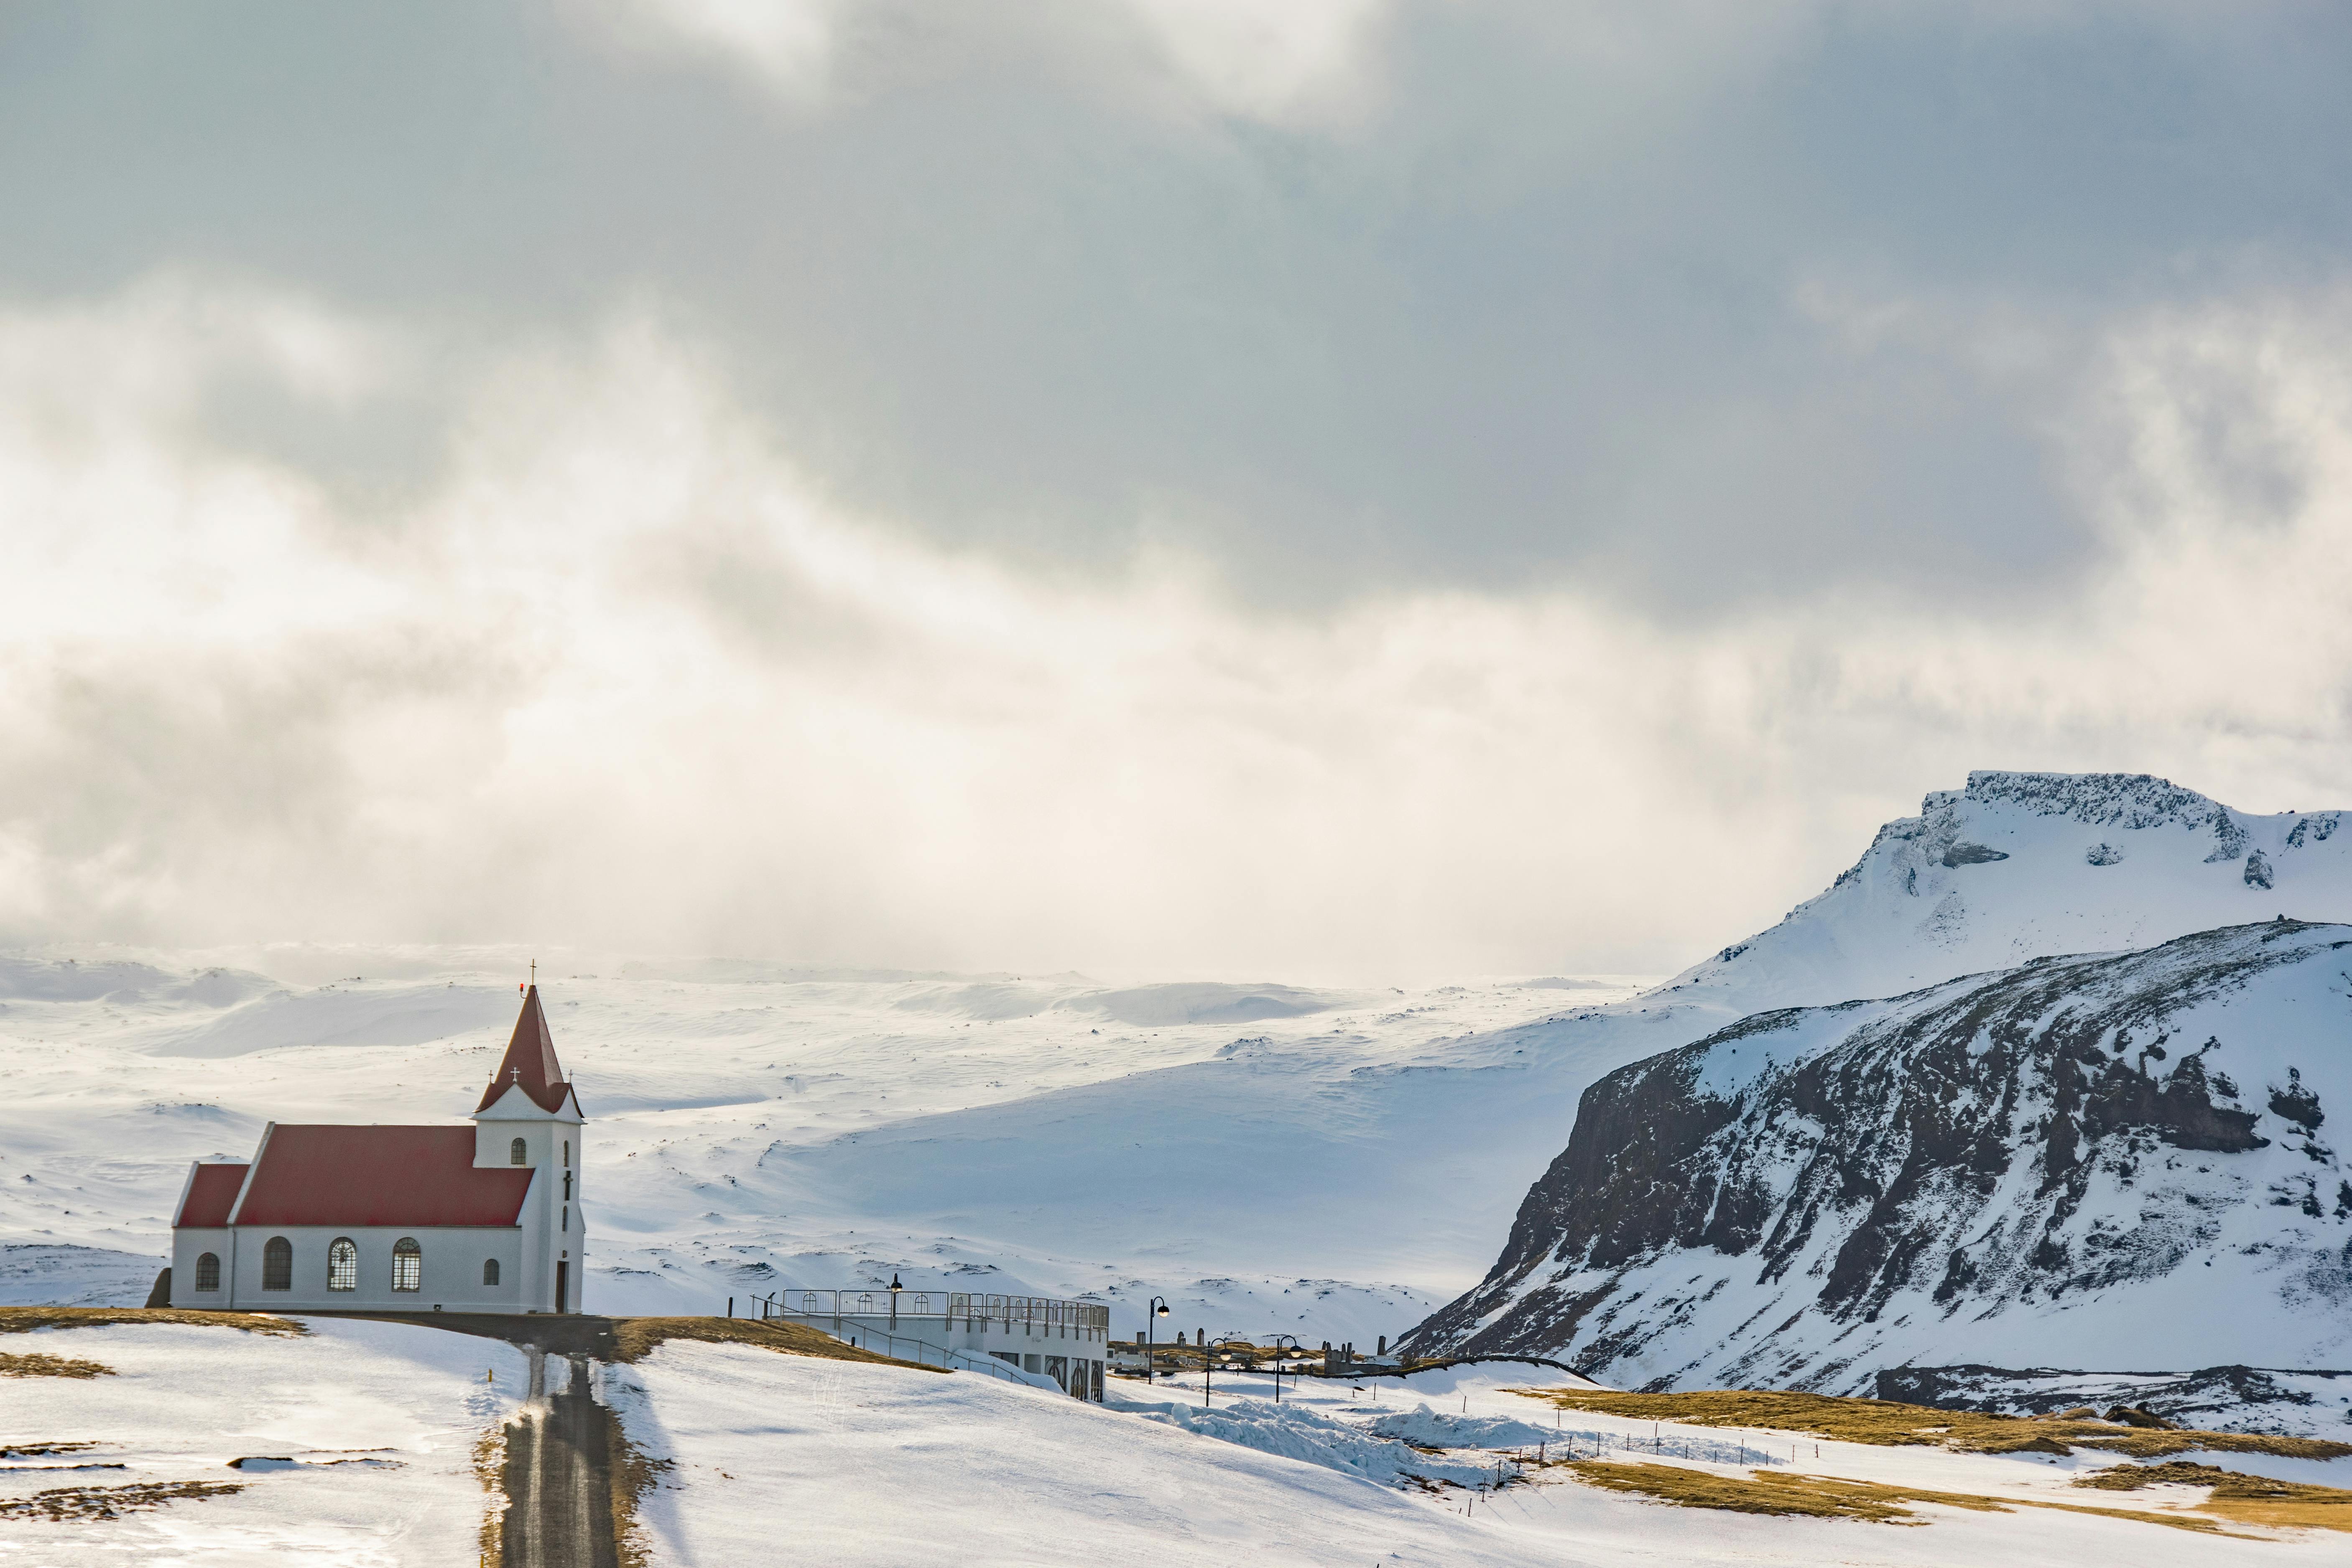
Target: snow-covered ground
{"points": [[847, 1464], [1270, 1159], [364, 1433]]}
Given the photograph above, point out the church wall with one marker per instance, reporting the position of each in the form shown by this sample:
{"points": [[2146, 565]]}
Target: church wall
{"points": [[451, 1274], [187, 1246]]}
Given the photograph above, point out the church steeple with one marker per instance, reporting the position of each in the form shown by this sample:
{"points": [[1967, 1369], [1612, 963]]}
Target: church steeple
{"points": [[530, 1063]]}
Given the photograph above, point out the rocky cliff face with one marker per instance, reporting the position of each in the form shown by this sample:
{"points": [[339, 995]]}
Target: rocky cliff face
{"points": [[2111, 1160]]}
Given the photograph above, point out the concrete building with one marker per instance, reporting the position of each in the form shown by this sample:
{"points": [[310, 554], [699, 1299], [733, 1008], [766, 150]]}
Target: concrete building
{"points": [[408, 1219]]}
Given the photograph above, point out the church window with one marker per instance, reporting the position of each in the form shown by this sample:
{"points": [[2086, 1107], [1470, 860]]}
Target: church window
{"points": [[567, 1186], [407, 1265], [209, 1271], [490, 1271], [277, 1264], [342, 1265], [567, 1217], [567, 1154], [518, 1152]]}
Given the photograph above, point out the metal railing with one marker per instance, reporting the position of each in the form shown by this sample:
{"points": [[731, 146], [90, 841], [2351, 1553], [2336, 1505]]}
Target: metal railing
{"points": [[946, 1306]]}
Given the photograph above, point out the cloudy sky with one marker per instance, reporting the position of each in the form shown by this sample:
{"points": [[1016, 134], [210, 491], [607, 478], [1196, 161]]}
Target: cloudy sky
{"points": [[1336, 490]]}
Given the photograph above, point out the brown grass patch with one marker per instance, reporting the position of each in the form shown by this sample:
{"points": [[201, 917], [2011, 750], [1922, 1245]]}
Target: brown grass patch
{"points": [[1807, 1495], [1887, 1423], [2240, 1498], [43, 1450], [635, 1338], [25, 1320], [38, 1366], [633, 1475], [1829, 1497], [62, 1504], [490, 1469]]}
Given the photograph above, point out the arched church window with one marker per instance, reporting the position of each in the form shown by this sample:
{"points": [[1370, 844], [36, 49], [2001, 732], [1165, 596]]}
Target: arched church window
{"points": [[343, 1264], [490, 1271], [277, 1264], [407, 1265], [567, 1154], [518, 1152], [209, 1271]]}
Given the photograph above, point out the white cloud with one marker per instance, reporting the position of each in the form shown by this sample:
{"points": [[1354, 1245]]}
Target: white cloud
{"points": [[788, 46], [1301, 59], [1298, 60], [620, 676]]}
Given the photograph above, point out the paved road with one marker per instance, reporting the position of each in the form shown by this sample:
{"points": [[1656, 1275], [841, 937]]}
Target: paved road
{"points": [[559, 1473]]}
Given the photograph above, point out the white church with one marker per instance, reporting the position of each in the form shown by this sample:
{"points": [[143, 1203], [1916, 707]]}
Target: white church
{"points": [[409, 1219]]}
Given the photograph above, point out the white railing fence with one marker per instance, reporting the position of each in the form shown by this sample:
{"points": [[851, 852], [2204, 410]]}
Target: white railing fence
{"points": [[945, 1306]]}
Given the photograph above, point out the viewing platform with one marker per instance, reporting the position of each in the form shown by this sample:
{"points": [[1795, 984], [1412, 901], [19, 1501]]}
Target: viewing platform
{"points": [[1042, 1339]]}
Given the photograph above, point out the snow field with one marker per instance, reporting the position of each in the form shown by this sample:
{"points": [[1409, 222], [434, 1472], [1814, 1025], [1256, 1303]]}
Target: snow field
{"points": [[781, 1456], [1269, 1159], [379, 1423], [833, 1462]]}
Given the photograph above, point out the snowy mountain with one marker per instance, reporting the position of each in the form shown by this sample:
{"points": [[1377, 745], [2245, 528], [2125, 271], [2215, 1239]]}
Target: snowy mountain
{"points": [[2020, 866], [2108, 1160]]}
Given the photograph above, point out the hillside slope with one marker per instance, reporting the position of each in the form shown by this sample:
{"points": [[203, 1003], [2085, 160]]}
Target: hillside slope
{"points": [[2022, 865], [2110, 1160]]}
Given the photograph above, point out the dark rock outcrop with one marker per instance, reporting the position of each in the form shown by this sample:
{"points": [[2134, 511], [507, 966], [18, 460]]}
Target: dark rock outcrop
{"points": [[1936, 1147]]}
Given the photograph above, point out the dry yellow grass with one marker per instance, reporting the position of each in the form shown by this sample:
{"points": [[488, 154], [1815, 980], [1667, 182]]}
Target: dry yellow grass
{"points": [[39, 1365], [60, 1503], [634, 1338], [2240, 1498], [1807, 1496], [1830, 1497], [490, 1469], [1884, 1423], [25, 1320]]}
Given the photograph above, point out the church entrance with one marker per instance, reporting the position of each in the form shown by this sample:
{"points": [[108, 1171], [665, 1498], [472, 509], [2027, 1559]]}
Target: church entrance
{"points": [[562, 1287]]}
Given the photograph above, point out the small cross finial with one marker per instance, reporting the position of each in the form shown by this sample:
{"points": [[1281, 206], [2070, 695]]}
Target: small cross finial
{"points": [[534, 972]]}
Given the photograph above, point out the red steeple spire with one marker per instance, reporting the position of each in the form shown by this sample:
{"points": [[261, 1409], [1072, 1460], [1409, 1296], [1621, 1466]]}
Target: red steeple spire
{"points": [[529, 1061]]}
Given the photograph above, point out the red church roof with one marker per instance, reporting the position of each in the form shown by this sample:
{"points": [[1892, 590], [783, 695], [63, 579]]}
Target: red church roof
{"points": [[377, 1175], [212, 1192], [529, 1061]]}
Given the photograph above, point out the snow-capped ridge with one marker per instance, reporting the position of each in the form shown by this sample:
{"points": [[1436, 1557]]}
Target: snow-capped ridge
{"points": [[2026, 864]]}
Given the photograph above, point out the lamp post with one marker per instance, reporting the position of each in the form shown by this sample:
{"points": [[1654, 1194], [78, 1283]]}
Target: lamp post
{"points": [[1278, 1338], [895, 1289], [1159, 1309]]}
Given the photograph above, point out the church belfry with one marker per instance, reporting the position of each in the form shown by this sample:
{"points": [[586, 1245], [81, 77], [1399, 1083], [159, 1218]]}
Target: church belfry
{"points": [[529, 1115]]}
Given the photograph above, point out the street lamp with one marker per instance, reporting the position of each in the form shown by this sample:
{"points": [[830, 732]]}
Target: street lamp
{"points": [[895, 1289], [1159, 1309], [1277, 1363]]}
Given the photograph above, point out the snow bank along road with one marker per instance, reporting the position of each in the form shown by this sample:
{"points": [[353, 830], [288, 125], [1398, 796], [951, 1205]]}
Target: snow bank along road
{"points": [[353, 1445]]}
